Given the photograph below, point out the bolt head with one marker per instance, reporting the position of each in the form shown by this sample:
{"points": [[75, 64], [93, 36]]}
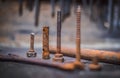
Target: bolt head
{"points": [[31, 54], [45, 55], [79, 65], [58, 55], [69, 66], [95, 67], [58, 59]]}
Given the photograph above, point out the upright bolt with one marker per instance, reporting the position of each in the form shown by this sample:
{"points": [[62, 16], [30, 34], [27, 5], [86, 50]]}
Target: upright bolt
{"points": [[58, 56], [95, 65], [31, 52], [78, 62], [45, 54]]}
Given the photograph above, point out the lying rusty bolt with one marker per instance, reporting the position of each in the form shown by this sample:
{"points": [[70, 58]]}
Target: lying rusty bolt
{"points": [[31, 52], [58, 56], [87, 54], [78, 63], [45, 54], [95, 65]]}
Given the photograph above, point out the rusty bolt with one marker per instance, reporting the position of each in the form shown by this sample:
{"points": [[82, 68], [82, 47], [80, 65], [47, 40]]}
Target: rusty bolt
{"points": [[95, 65], [78, 62], [58, 56], [31, 52], [45, 54]]}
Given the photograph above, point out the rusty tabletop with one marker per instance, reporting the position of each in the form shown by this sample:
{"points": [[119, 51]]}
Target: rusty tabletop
{"points": [[20, 70]]}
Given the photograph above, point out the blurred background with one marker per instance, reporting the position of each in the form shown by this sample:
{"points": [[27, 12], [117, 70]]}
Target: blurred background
{"points": [[99, 22]]}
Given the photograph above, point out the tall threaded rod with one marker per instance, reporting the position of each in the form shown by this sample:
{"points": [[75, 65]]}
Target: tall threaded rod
{"points": [[59, 32], [78, 15], [78, 62], [58, 56]]}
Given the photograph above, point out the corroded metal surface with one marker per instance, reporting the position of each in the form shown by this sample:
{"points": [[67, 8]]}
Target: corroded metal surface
{"points": [[19, 59], [103, 56], [78, 18], [78, 62], [27, 70], [45, 54], [58, 56]]}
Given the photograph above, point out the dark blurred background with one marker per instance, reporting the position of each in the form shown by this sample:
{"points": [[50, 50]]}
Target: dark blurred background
{"points": [[99, 22]]}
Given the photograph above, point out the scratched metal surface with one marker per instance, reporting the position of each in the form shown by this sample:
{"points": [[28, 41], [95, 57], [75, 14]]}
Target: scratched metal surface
{"points": [[20, 70]]}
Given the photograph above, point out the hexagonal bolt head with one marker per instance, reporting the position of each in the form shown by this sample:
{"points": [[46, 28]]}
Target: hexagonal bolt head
{"points": [[58, 58], [31, 54], [45, 55], [95, 65]]}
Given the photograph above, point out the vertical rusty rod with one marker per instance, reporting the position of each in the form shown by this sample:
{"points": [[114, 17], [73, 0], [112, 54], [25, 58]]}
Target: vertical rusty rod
{"points": [[59, 32], [32, 42], [78, 16], [58, 56], [45, 54]]}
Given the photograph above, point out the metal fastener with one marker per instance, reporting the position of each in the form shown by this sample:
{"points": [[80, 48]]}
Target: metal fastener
{"points": [[78, 62], [45, 54], [58, 56], [31, 52], [95, 65]]}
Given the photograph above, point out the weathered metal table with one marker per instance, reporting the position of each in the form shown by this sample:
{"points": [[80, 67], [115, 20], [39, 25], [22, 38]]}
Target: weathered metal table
{"points": [[20, 70]]}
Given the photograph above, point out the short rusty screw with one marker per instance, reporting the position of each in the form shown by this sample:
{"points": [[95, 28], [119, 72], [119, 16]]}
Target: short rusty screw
{"points": [[78, 63], [31, 52], [45, 53], [58, 56], [95, 65]]}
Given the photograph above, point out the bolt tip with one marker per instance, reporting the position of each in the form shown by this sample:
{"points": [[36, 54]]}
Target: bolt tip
{"points": [[32, 33], [78, 9], [59, 10]]}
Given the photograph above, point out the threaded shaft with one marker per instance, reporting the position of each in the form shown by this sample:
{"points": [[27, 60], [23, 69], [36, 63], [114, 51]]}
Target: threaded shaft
{"points": [[78, 17], [32, 42], [59, 32]]}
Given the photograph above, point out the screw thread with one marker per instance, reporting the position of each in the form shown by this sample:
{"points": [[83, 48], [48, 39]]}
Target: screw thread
{"points": [[32, 42], [59, 32], [78, 17]]}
